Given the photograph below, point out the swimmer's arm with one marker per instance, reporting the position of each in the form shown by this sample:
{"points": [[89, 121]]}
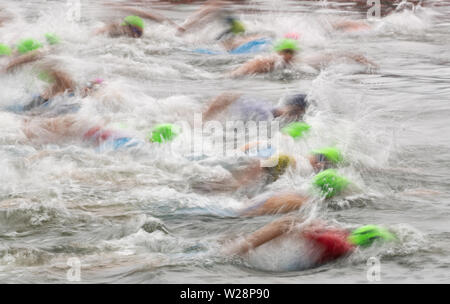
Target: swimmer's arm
{"points": [[147, 15], [262, 235], [21, 60], [249, 175], [279, 204], [209, 8], [255, 66], [219, 104], [350, 25]]}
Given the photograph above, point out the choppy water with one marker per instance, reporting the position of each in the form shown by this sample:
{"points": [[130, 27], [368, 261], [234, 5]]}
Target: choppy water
{"points": [[132, 216]]}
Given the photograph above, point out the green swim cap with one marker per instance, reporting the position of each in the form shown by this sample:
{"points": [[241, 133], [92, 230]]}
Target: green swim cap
{"points": [[296, 129], [164, 132], [287, 44], [134, 21], [334, 155], [5, 50], [366, 235], [52, 39], [237, 27], [28, 45], [330, 183]]}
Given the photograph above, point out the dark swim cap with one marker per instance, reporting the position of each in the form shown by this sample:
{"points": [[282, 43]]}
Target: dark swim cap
{"points": [[298, 100]]}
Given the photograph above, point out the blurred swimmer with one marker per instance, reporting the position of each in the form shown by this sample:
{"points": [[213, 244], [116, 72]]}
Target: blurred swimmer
{"points": [[244, 107], [326, 184], [246, 174], [324, 243], [29, 50], [133, 25], [286, 52], [211, 9], [70, 128], [60, 84]]}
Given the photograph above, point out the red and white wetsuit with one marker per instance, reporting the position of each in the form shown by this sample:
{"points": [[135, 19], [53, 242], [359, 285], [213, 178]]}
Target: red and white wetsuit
{"points": [[331, 243]]}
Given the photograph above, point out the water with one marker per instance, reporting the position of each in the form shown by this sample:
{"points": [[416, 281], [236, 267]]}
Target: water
{"points": [[131, 216]]}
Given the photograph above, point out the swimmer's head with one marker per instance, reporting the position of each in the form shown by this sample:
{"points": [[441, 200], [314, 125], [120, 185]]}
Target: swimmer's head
{"points": [[325, 158], [134, 26], [52, 39], [330, 183], [5, 50], [163, 133], [366, 235], [287, 48], [236, 26], [296, 129], [292, 107], [277, 165], [28, 45]]}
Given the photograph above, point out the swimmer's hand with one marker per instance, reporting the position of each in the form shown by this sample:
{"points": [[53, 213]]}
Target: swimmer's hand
{"points": [[262, 235]]}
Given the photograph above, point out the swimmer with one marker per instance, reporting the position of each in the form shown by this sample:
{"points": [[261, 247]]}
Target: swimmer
{"points": [[210, 9], [325, 158], [326, 184], [30, 50], [60, 83], [327, 243], [286, 52], [292, 107], [236, 37], [246, 175], [133, 25], [70, 128]]}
